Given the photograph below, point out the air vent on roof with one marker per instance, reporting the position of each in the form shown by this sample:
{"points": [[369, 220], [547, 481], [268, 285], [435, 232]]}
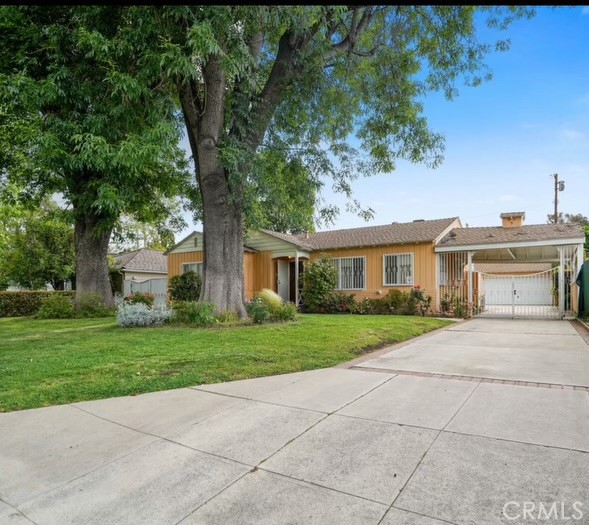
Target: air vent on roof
{"points": [[395, 222], [419, 220], [490, 235]]}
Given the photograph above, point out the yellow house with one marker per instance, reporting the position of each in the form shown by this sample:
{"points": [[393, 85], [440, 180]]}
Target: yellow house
{"points": [[370, 261], [438, 255]]}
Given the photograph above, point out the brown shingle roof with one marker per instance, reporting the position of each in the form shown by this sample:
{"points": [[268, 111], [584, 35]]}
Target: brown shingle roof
{"points": [[511, 267], [143, 260], [396, 233], [497, 234]]}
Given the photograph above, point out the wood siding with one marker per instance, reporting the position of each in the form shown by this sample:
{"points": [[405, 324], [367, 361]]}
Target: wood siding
{"points": [[260, 268], [176, 260], [424, 271]]}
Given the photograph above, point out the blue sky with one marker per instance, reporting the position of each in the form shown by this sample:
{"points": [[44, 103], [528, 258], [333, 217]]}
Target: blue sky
{"points": [[503, 138]]}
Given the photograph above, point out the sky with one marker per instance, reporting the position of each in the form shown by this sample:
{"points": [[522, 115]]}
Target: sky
{"points": [[504, 138]]}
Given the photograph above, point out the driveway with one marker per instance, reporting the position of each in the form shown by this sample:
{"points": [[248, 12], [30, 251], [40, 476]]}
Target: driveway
{"points": [[370, 445]]}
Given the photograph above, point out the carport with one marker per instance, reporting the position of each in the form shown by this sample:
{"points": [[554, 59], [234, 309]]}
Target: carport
{"points": [[511, 271]]}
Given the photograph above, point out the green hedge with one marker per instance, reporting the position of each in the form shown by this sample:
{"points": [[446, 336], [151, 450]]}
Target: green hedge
{"points": [[20, 304]]}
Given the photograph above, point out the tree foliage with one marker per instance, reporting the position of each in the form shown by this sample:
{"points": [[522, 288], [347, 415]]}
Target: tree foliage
{"points": [[39, 248], [86, 120], [310, 81]]}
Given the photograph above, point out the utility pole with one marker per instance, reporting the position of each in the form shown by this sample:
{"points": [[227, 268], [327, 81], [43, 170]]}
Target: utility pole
{"points": [[558, 186]]}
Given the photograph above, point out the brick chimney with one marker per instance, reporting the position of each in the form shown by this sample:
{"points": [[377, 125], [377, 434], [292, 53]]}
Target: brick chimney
{"points": [[513, 219]]}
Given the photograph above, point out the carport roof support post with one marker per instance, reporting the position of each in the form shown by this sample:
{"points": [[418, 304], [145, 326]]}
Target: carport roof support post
{"points": [[561, 282], [470, 295]]}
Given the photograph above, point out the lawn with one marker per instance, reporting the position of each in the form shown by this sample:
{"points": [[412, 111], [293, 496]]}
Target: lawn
{"points": [[61, 361]]}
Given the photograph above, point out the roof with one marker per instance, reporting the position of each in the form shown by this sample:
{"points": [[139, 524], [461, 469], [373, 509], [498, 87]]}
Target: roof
{"points": [[498, 234], [300, 241], [511, 267], [396, 233], [142, 260]]}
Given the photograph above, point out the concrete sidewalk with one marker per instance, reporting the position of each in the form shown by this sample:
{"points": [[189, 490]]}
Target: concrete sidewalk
{"points": [[330, 446]]}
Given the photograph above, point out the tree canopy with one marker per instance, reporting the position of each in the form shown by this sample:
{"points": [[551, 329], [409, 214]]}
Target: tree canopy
{"points": [[338, 90], [307, 81], [39, 248], [84, 119]]}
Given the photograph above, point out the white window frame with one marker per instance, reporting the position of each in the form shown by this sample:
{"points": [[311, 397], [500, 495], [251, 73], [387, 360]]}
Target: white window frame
{"points": [[443, 270], [384, 273], [337, 260], [198, 265]]}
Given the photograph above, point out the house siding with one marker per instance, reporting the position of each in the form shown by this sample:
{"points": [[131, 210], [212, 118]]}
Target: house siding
{"points": [[424, 272], [250, 270], [260, 268], [176, 260]]}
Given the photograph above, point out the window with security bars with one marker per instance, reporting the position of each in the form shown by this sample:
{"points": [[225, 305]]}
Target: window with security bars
{"points": [[398, 269], [350, 273], [192, 267]]}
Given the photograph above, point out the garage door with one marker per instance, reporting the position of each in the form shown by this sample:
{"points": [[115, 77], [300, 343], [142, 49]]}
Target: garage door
{"points": [[530, 290], [519, 296]]}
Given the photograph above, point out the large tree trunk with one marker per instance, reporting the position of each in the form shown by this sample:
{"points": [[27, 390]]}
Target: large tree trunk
{"points": [[92, 259], [223, 246], [222, 201]]}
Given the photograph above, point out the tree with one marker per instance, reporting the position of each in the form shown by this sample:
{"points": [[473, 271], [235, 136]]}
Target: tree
{"points": [[305, 80], [84, 118], [39, 248], [131, 234]]}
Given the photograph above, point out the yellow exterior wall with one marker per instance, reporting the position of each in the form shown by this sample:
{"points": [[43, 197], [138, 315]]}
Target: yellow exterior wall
{"points": [[175, 261], [424, 273], [260, 268]]}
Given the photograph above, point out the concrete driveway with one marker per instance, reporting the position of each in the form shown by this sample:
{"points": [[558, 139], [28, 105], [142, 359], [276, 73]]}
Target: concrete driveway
{"points": [[334, 446]]}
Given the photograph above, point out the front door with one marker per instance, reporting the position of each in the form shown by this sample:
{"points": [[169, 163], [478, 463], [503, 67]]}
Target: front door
{"points": [[284, 280]]}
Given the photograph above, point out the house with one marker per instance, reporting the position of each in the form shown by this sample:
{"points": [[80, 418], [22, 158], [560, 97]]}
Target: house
{"points": [[435, 254], [134, 270]]}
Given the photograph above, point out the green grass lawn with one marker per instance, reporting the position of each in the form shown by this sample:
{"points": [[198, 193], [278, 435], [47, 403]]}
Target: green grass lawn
{"points": [[61, 361]]}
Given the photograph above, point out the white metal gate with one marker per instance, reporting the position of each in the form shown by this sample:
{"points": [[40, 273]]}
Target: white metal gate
{"points": [[528, 296], [463, 290]]}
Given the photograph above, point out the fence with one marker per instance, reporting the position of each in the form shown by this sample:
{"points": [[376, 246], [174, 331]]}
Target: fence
{"points": [[158, 287]]}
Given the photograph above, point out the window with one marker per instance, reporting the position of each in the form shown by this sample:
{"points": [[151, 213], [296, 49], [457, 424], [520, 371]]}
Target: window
{"points": [[192, 267], [350, 273], [398, 269], [443, 271]]}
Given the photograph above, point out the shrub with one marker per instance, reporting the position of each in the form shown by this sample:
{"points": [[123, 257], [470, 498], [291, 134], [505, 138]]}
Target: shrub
{"points": [[319, 280], [286, 312], [258, 310], [57, 306], [271, 297], [268, 306], [91, 305], [139, 314], [192, 312], [20, 304], [141, 297], [185, 287], [338, 303]]}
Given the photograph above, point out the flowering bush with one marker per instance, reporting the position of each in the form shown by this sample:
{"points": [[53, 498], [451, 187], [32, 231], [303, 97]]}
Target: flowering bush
{"points": [[141, 297]]}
